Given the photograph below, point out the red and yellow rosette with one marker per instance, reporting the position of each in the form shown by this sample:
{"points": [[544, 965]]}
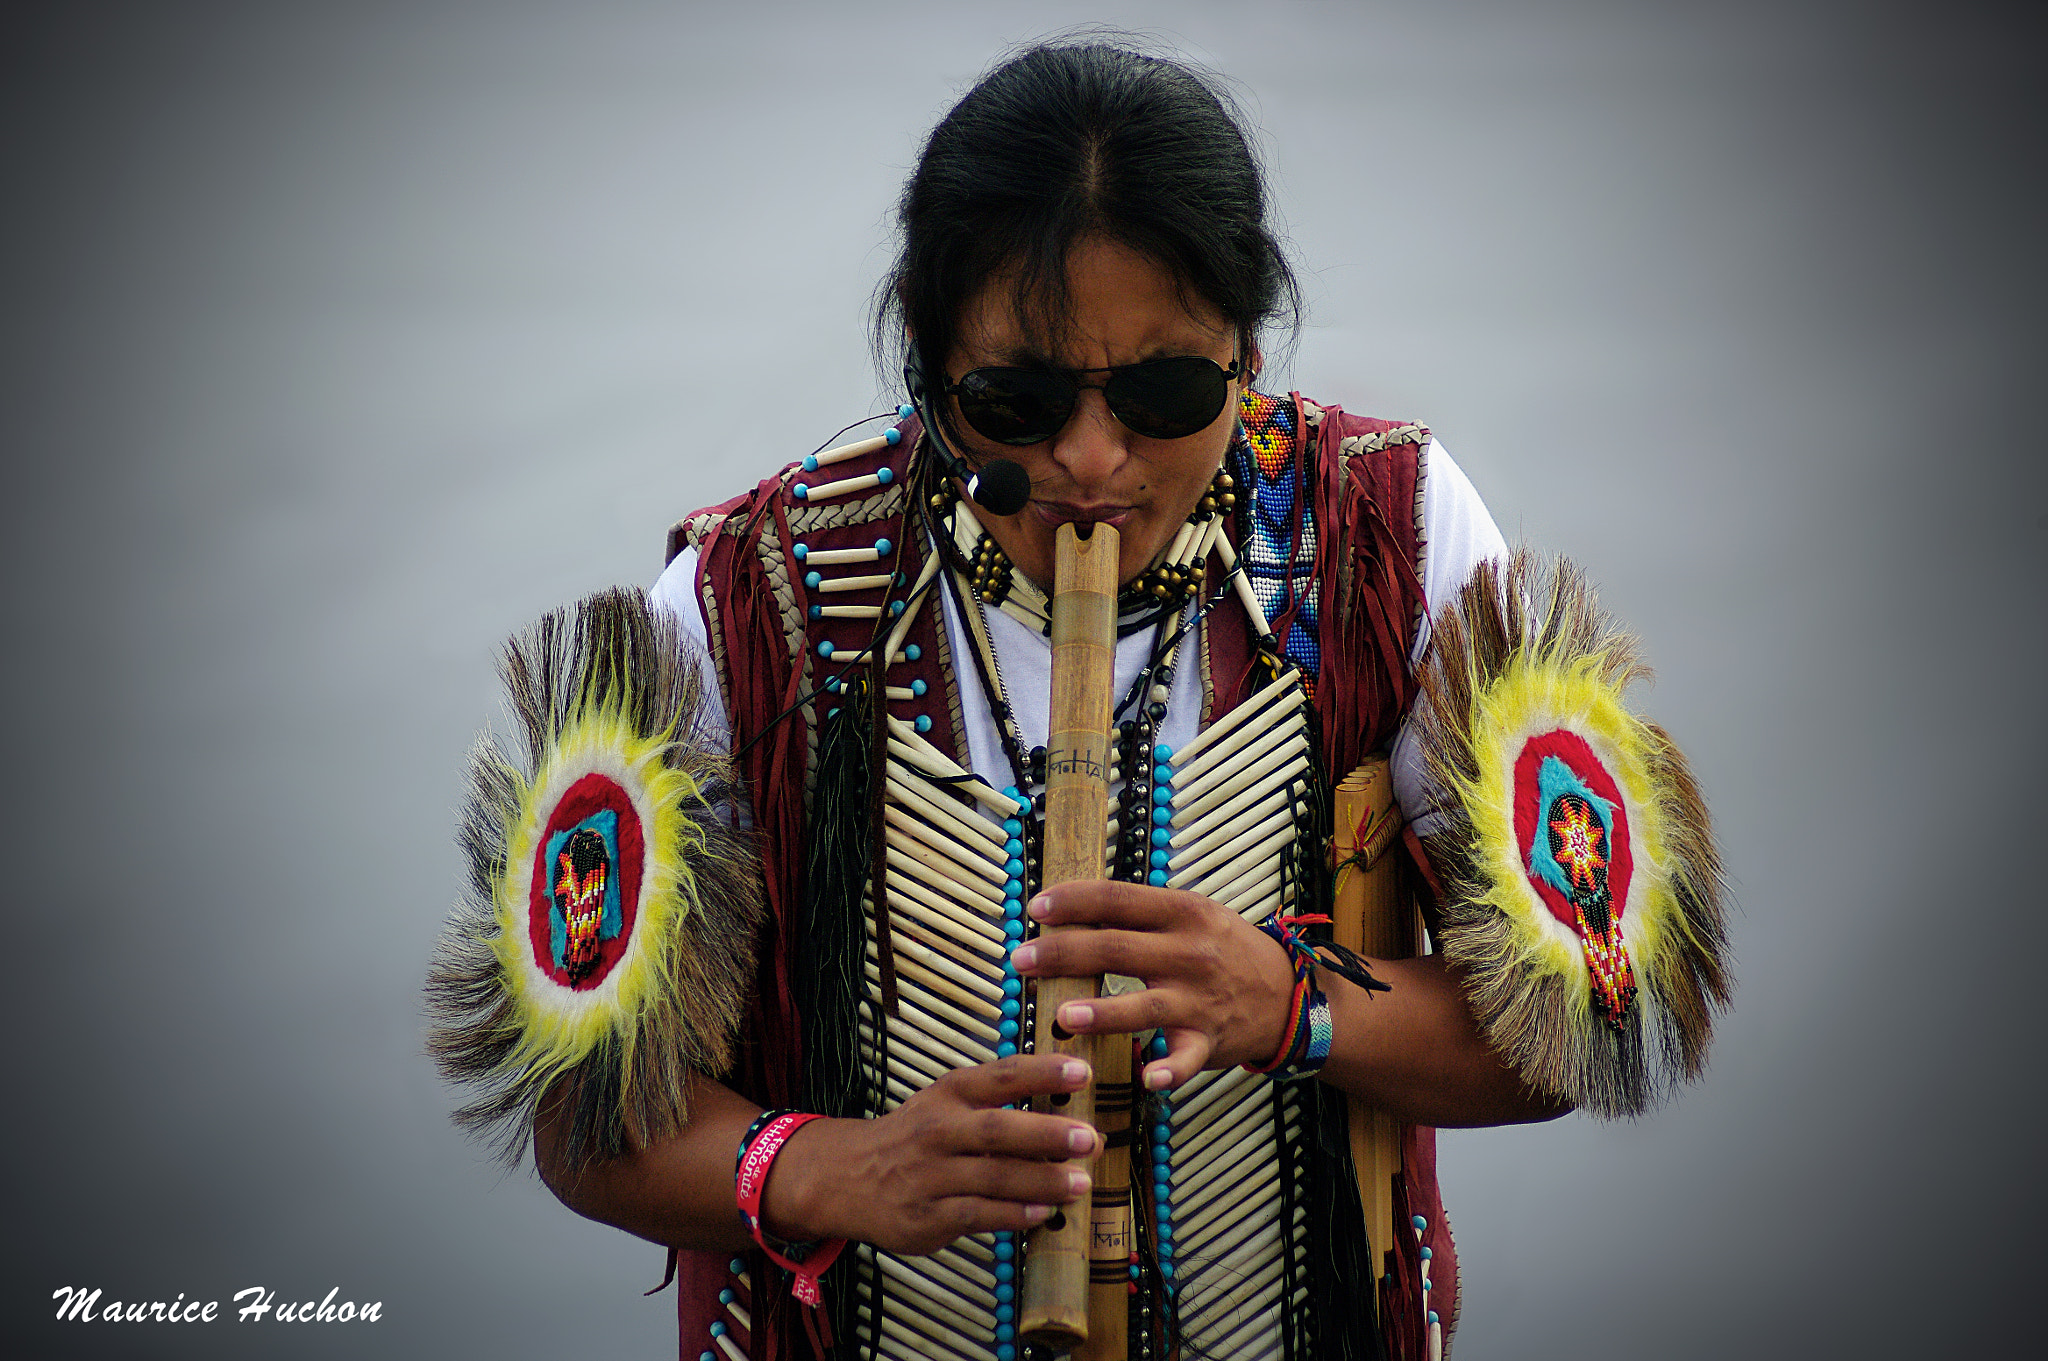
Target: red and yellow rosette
{"points": [[605, 943], [1580, 883]]}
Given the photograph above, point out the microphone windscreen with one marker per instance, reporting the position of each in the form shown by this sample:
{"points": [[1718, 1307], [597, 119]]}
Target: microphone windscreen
{"points": [[1001, 487]]}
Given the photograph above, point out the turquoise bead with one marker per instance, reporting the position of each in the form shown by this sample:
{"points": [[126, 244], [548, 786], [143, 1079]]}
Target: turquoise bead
{"points": [[894, 437], [813, 579], [1162, 797], [1420, 1223], [1160, 836], [1013, 847], [1013, 826], [1005, 1249], [884, 476], [913, 652], [1005, 1049], [1162, 753], [924, 723], [1004, 1271], [1012, 1008], [1161, 816], [896, 607], [1160, 860], [718, 1328], [917, 687], [726, 1296], [825, 648], [1008, 1030], [905, 412], [1013, 987], [800, 550], [1157, 878]]}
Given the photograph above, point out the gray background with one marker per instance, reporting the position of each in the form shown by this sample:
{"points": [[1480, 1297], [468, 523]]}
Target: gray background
{"points": [[341, 340]]}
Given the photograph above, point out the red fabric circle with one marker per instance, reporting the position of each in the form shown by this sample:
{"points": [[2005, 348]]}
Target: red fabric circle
{"points": [[1571, 749], [591, 794]]}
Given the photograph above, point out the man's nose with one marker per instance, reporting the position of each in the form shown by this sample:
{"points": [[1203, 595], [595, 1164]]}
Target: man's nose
{"points": [[1092, 445]]}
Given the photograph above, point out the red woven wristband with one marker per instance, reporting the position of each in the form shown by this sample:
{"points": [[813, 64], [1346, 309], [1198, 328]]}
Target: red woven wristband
{"points": [[753, 1176]]}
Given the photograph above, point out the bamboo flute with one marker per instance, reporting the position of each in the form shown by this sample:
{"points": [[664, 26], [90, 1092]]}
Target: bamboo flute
{"points": [[1055, 1292]]}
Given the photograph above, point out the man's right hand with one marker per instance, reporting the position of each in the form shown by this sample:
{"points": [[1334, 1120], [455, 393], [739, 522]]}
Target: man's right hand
{"points": [[948, 1162]]}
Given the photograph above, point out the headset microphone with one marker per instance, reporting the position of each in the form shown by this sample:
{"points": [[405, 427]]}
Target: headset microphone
{"points": [[1000, 486]]}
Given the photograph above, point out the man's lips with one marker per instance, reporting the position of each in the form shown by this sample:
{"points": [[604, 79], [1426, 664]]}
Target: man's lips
{"points": [[1062, 512]]}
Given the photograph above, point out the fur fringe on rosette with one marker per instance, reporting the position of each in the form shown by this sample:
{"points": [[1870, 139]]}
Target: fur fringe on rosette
{"points": [[604, 947], [1525, 653]]}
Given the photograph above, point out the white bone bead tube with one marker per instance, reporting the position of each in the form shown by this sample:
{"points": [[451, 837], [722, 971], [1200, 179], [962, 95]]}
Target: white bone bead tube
{"points": [[857, 449], [730, 1347], [832, 557], [879, 582], [846, 486], [744, 1319], [972, 1028], [849, 611], [1243, 583], [1287, 690]]}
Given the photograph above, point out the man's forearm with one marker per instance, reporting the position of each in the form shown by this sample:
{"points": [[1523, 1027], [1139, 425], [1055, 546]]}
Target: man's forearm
{"points": [[678, 1193], [1416, 1052]]}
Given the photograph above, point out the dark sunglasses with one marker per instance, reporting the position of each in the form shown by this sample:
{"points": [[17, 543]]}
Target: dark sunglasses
{"points": [[1158, 399]]}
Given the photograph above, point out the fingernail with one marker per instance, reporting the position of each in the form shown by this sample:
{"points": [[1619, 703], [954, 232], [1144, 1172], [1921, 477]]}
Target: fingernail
{"points": [[1037, 1214], [1077, 1183], [1023, 957], [1156, 1078], [1081, 1139], [1041, 908], [1073, 1070], [1077, 1016]]}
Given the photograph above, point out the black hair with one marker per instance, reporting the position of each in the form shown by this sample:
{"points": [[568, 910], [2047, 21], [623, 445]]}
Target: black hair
{"points": [[1076, 139]]}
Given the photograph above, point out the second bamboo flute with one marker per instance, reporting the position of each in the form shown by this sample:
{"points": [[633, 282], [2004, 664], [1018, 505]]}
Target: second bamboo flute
{"points": [[1054, 1290]]}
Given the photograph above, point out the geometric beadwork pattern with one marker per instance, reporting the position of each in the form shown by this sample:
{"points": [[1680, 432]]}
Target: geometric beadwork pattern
{"points": [[1279, 524]]}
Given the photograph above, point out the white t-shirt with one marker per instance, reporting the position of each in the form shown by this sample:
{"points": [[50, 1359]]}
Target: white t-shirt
{"points": [[1456, 528]]}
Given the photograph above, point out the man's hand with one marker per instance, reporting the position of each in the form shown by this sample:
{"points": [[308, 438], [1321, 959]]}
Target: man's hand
{"points": [[1217, 985], [948, 1162]]}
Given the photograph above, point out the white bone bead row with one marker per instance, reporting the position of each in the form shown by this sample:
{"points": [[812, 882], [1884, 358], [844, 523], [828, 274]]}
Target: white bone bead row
{"points": [[1275, 762], [933, 803], [1191, 761]]}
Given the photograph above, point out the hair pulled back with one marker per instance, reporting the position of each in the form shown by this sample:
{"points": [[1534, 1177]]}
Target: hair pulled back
{"points": [[1071, 140]]}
